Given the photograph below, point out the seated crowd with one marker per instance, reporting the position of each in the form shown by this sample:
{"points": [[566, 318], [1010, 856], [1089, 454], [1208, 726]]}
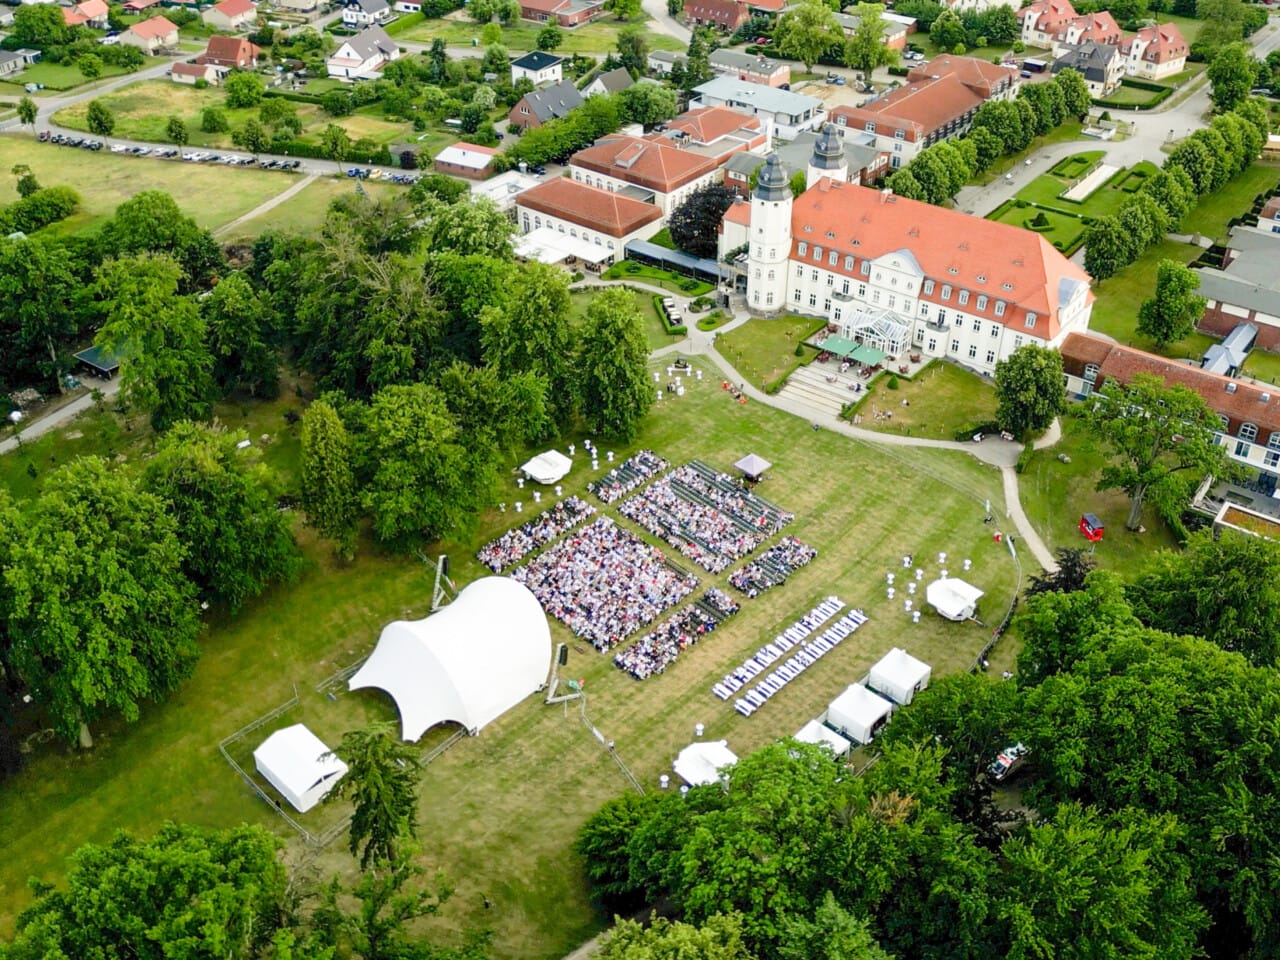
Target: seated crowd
{"points": [[604, 583], [514, 545], [659, 649], [772, 567], [633, 472], [712, 525]]}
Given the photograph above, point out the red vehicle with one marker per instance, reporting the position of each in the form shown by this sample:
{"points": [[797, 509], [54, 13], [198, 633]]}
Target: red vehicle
{"points": [[1092, 527], [762, 41]]}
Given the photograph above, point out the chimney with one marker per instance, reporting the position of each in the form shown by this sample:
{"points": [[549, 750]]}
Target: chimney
{"points": [[885, 194]]}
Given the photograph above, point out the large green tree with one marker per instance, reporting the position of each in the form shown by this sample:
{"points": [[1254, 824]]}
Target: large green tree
{"points": [[695, 223], [27, 112], [612, 373], [159, 336], [1057, 627], [1108, 248], [806, 31], [224, 502], [633, 48], [717, 938], [382, 784], [865, 48], [150, 222], [329, 495], [1231, 75], [833, 933], [602, 845], [1029, 390], [469, 226], [1172, 311], [1202, 590], [1157, 437], [948, 31], [43, 309], [101, 614], [101, 120], [186, 892], [240, 322]]}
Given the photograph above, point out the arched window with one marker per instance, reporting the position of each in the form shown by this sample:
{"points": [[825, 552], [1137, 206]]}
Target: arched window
{"points": [[1248, 431]]}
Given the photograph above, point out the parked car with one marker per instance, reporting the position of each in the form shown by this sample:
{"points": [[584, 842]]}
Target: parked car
{"points": [[42, 136], [1007, 762], [538, 169]]}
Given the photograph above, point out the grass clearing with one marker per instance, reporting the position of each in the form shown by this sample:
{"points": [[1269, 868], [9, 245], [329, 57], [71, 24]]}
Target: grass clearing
{"points": [[305, 211], [1046, 190], [1211, 214], [56, 76], [212, 195], [1054, 495], [1115, 312], [1062, 230], [1129, 96], [941, 400], [655, 333], [599, 36], [666, 279], [499, 812], [762, 350], [1262, 365]]}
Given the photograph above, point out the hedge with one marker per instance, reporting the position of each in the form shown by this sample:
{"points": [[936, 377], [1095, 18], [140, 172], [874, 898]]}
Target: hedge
{"points": [[898, 71], [968, 433], [1024, 458], [290, 95], [674, 329], [314, 151]]}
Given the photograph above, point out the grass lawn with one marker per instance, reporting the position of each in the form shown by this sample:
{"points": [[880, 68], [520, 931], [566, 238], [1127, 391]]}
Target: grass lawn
{"points": [[762, 350], [1104, 201], [305, 211], [1115, 312], [1055, 494], [601, 36], [212, 195], [1209, 218], [1062, 230], [1262, 365], [942, 399], [655, 333], [56, 76], [143, 110], [676, 283], [498, 813], [1126, 96]]}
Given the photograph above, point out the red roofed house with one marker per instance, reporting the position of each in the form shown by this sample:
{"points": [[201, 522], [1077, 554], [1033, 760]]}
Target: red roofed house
{"points": [[655, 170], [152, 36], [468, 160], [91, 13], [1045, 19], [566, 13], [720, 130], [231, 52], [939, 282], [137, 6], [189, 73], [233, 15], [603, 218], [728, 15], [1098, 27], [1155, 52], [987, 80]]}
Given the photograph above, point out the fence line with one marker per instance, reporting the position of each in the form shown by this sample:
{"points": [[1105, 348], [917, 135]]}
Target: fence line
{"points": [[346, 673]]}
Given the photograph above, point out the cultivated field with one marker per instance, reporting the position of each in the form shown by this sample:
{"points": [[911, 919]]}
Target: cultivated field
{"points": [[499, 812]]}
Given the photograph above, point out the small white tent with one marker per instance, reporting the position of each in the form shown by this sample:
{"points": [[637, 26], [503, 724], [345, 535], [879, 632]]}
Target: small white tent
{"points": [[953, 598], [298, 764], [899, 676], [470, 663], [815, 732], [549, 467], [700, 763], [859, 713]]}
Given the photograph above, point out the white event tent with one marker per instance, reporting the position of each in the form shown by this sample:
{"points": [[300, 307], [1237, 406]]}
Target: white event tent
{"points": [[549, 467], [815, 732], [899, 676], [469, 663], [953, 598], [700, 763], [298, 764], [859, 713]]}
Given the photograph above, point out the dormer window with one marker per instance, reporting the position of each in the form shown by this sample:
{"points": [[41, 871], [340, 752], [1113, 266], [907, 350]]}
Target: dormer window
{"points": [[1031, 320], [871, 126], [982, 303], [952, 270], [999, 308], [1006, 286], [946, 291], [964, 298], [802, 248]]}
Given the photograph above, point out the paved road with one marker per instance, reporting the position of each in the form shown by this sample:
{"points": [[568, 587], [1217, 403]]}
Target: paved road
{"points": [[266, 205], [60, 416], [663, 22]]}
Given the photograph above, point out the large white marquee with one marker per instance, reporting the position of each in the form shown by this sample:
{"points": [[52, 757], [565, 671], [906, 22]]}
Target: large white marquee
{"points": [[469, 663]]}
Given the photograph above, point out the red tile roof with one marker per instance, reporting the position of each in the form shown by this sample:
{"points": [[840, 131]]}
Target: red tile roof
{"points": [[919, 108], [190, 69], [647, 163], [154, 29], [72, 17], [1004, 263], [709, 124], [725, 12], [983, 78], [92, 9], [1099, 27], [230, 50], [543, 6], [1242, 404], [235, 8], [135, 5], [589, 207], [1164, 43], [738, 213], [1270, 209]]}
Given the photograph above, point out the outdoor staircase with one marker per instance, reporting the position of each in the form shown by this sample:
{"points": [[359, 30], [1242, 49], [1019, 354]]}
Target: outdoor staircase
{"points": [[809, 394]]}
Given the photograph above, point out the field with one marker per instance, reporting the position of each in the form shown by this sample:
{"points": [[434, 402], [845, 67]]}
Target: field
{"points": [[762, 350], [1062, 230], [599, 36], [499, 812], [940, 400], [55, 76], [1210, 217], [1129, 96], [305, 211], [654, 332], [104, 180], [142, 112]]}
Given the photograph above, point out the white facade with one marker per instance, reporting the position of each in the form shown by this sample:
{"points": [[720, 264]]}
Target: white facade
{"points": [[546, 74], [666, 202], [769, 246], [528, 220]]}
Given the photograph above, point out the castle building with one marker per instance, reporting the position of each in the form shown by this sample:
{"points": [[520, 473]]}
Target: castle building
{"points": [[898, 274]]}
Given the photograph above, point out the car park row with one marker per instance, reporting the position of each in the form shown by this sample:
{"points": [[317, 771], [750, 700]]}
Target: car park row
{"points": [[168, 153]]}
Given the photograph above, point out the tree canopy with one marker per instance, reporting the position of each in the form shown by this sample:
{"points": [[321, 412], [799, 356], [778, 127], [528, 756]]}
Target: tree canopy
{"points": [[612, 375], [807, 31], [695, 223], [1029, 390], [382, 784]]}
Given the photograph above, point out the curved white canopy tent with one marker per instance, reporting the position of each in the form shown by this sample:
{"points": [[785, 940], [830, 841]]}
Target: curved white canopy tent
{"points": [[469, 663]]}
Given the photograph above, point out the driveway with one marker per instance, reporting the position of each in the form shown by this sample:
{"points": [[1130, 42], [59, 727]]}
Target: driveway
{"points": [[663, 22]]}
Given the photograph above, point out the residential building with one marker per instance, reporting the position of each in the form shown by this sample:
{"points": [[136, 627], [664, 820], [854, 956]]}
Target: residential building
{"points": [[538, 67], [1269, 217], [189, 73], [235, 53], [231, 15], [565, 13], [1098, 27], [137, 6], [939, 282], [988, 80], [504, 189], [90, 13], [152, 36], [10, 62], [754, 69], [862, 163], [538, 106], [728, 15], [1246, 289], [718, 131], [1101, 65], [1042, 20], [361, 57], [788, 112], [653, 170], [978, 6], [1155, 52], [611, 81], [407, 6], [298, 6], [893, 32], [366, 13], [468, 160], [605, 219], [1250, 413], [661, 62]]}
